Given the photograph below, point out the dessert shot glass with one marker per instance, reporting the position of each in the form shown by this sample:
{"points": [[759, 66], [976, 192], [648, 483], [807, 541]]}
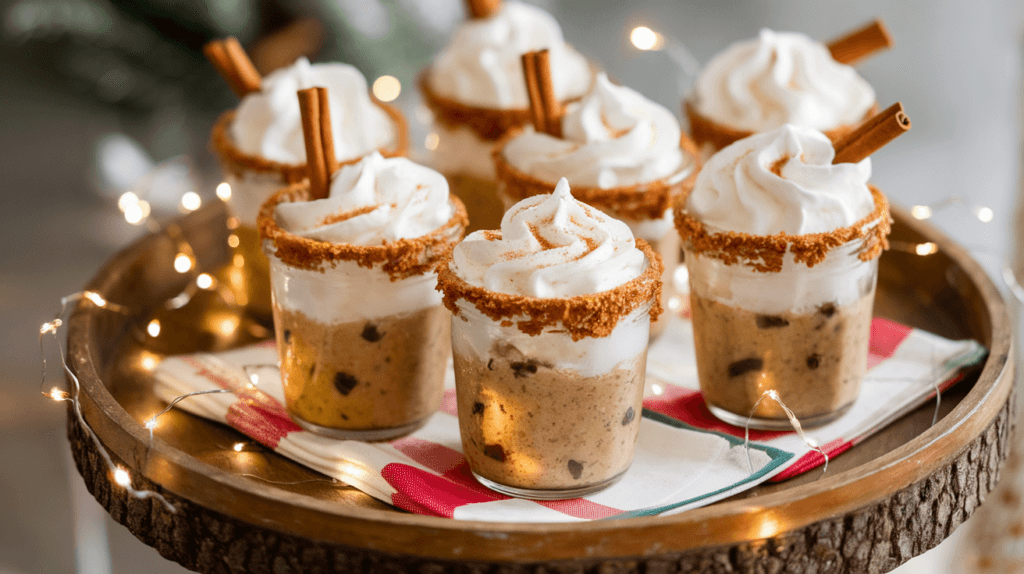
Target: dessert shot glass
{"points": [[362, 336], [550, 390], [790, 314], [251, 180], [475, 94]]}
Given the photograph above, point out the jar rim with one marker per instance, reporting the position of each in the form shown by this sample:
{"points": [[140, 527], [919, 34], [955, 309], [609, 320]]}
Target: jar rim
{"points": [[590, 315], [766, 252], [400, 259]]}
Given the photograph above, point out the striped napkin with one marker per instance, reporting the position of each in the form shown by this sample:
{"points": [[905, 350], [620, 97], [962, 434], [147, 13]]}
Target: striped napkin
{"points": [[685, 458]]}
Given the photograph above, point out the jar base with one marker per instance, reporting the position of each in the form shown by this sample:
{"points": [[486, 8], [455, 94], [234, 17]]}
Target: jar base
{"points": [[369, 435], [548, 493], [782, 424]]}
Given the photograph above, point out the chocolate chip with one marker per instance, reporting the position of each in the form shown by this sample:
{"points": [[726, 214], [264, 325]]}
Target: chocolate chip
{"points": [[575, 469], [371, 334], [287, 336], [344, 416], [495, 451], [478, 408], [628, 417], [344, 382], [828, 309], [490, 364], [813, 361], [524, 369], [770, 322], [838, 328], [737, 368]]}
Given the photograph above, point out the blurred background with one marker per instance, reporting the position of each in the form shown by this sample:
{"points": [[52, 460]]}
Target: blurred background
{"points": [[101, 97]]}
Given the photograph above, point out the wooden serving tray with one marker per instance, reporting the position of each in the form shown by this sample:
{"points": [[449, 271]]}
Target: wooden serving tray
{"points": [[886, 500]]}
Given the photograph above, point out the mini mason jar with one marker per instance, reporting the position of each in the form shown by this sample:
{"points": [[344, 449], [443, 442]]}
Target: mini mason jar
{"points": [[550, 390], [646, 208], [789, 314], [362, 337], [251, 180]]}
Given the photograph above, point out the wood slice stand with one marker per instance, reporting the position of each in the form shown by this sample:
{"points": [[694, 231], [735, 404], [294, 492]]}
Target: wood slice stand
{"points": [[886, 500]]}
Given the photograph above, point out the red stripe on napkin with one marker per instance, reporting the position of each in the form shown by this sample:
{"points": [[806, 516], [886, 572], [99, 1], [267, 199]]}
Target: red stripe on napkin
{"points": [[886, 337], [687, 405], [452, 465], [267, 426], [436, 457], [255, 413], [447, 462], [424, 493], [580, 508]]}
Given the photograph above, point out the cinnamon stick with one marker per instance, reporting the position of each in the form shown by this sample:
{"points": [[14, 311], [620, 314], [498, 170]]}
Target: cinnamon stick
{"points": [[547, 117], [316, 131], [233, 64], [871, 135], [482, 8], [533, 91], [861, 43], [552, 107]]}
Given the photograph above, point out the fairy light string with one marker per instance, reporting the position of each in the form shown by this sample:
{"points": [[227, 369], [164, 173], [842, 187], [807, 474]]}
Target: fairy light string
{"points": [[137, 211], [793, 421], [118, 473]]}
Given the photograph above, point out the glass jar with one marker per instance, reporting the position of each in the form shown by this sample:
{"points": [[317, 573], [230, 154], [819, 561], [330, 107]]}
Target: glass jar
{"points": [[543, 416], [363, 349], [801, 331]]}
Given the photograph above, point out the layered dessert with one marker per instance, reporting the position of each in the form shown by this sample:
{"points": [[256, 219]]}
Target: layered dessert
{"points": [[620, 152], [476, 92], [549, 335], [781, 248], [778, 78], [362, 336], [261, 149]]}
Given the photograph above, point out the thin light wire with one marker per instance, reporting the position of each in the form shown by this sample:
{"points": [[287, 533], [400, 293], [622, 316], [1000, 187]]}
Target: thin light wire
{"points": [[330, 480], [77, 409], [151, 422], [793, 421]]}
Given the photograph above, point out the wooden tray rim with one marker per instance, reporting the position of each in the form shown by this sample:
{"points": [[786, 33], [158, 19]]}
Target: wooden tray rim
{"points": [[715, 525]]}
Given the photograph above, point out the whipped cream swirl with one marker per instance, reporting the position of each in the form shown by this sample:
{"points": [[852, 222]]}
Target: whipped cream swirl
{"points": [[482, 67], [779, 78], [550, 246], [268, 123], [613, 137], [781, 181], [372, 202]]}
